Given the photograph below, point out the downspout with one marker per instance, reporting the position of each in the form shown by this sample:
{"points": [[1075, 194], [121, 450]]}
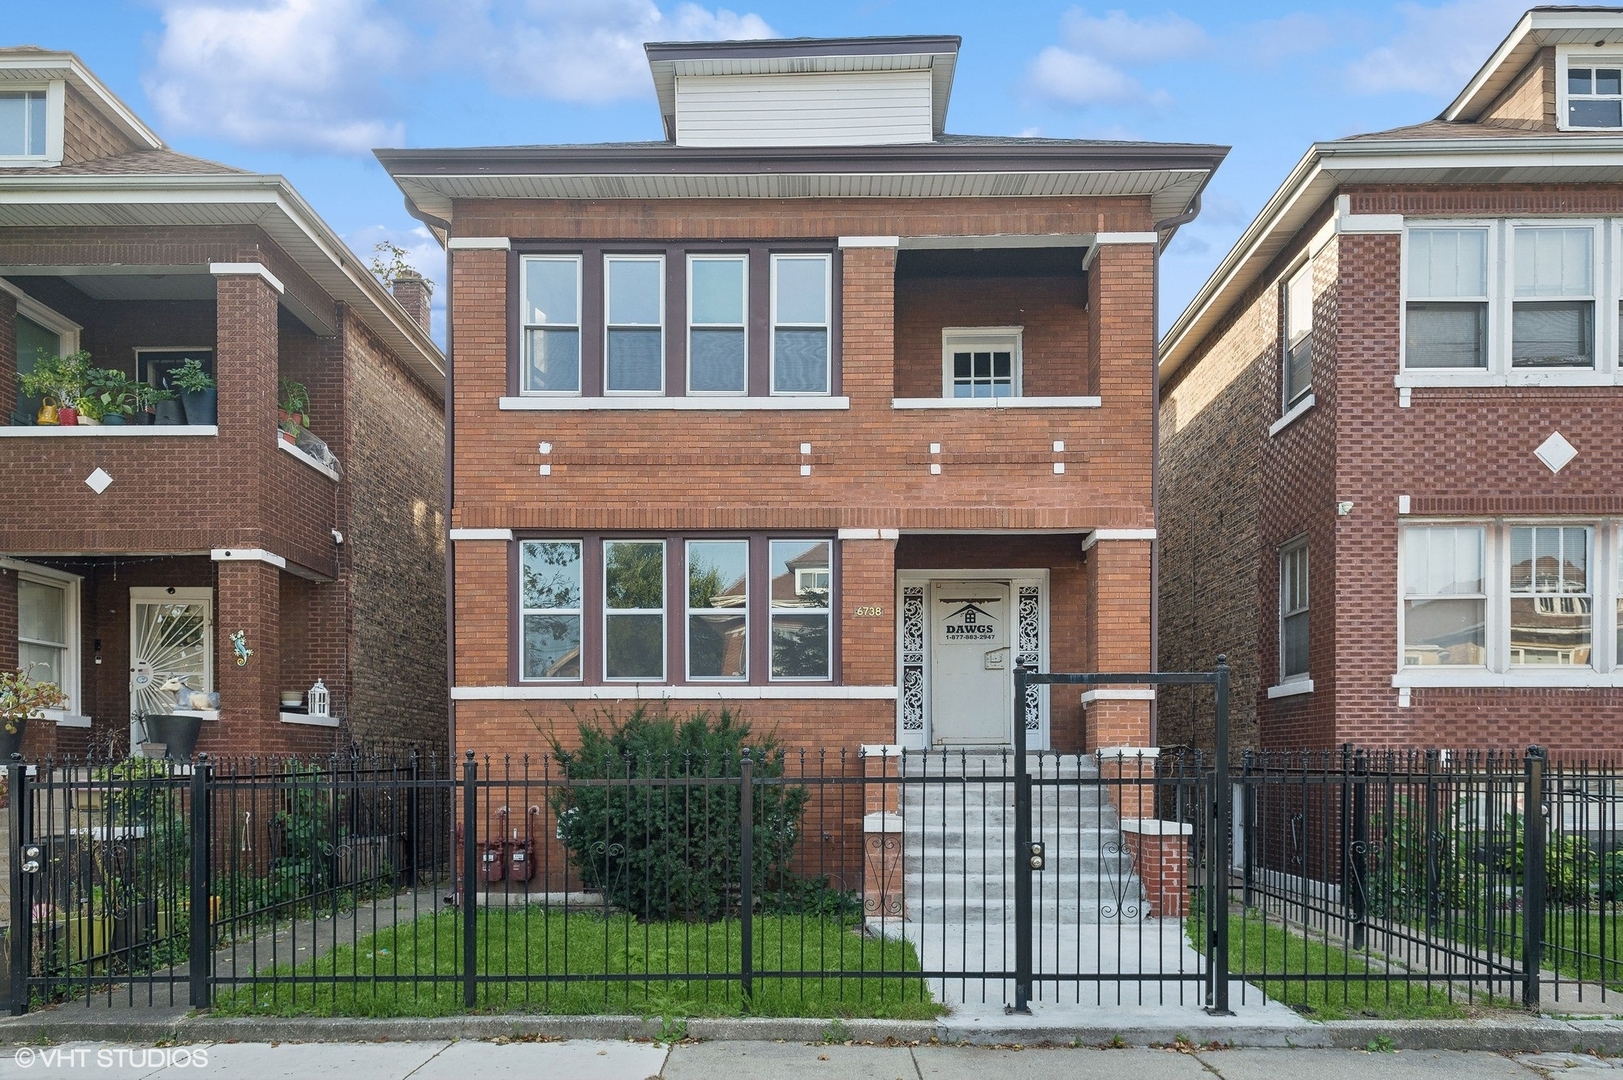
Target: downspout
{"points": [[1164, 225]]}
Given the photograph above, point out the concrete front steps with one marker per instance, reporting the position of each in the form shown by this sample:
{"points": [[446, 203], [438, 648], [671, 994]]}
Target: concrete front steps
{"points": [[957, 829]]}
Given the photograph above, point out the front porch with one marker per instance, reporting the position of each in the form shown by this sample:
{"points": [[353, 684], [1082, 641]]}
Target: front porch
{"points": [[132, 635]]}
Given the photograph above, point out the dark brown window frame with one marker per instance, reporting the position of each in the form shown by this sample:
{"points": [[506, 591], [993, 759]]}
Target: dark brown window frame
{"points": [[592, 310], [759, 609]]}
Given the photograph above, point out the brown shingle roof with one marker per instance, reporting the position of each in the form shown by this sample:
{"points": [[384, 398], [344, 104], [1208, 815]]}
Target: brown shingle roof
{"points": [[135, 163], [1448, 129]]}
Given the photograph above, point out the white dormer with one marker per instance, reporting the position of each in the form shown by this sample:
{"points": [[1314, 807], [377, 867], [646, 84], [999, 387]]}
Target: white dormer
{"points": [[804, 91], [33, 106]]}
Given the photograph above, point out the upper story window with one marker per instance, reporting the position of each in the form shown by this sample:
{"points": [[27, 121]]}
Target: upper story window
{"points": [[22, 123], [635, 343], [981, 362], [549, 291], [800, 323], [1298, 367], [1509, 302], [684, 322], [1513, 597], [718, 335], [1593, 93]]}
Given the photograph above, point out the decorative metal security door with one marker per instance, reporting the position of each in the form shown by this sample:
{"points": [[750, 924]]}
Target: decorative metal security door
{"points": [[171, 649]]}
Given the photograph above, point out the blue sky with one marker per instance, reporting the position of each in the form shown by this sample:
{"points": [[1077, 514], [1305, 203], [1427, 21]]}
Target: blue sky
{"points": [[306, 87]]}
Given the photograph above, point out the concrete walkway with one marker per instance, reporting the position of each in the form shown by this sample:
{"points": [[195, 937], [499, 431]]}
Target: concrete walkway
{"points": [[590, 1060]]}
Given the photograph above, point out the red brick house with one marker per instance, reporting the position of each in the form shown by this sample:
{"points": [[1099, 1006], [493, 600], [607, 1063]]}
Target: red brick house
{"points": [[809, 408], [1390, 421], [133, 552]]}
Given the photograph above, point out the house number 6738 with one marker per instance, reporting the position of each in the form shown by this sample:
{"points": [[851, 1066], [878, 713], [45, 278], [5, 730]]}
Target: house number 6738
{"points": [[872, 612]]}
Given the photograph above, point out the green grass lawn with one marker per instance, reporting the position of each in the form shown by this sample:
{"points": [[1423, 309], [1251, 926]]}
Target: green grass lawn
{"points": [[1584, 945], [636, 955]]}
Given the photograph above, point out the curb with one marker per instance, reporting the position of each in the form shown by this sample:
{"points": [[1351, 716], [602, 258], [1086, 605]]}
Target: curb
{"points": [[1532, 1034]]}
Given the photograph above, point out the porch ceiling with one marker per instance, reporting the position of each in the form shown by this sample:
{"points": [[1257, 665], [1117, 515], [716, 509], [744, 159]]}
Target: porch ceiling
{"points": [[154, 282]]}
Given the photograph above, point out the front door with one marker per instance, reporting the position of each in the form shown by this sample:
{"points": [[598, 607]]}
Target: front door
{"points": [[971, 663], [171, 649]]}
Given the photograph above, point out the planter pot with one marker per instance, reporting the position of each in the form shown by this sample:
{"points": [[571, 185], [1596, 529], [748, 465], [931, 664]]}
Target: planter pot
{"points": [[11, 744], [290, 438], [113, 419], [201, 408], [137, 926], [77, 938], [177, 733], [169, 413], [145, 418], [67, 416], [89, 421]]}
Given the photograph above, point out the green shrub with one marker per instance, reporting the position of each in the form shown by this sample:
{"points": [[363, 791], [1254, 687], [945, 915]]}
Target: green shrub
{"points": [[673, 849]]}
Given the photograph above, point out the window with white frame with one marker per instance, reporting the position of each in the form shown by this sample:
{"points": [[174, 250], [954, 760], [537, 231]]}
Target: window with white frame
{"points": [[1293, 627], [550, 591], [981, 362], [23, 123], [1511, 301], [718, 609], [48, 630], [1298, 368], [801, 612], [801, 286], [1513, 597], [550, 287], [1592, 93], [718, 309], [595, 610], [634, 348]]}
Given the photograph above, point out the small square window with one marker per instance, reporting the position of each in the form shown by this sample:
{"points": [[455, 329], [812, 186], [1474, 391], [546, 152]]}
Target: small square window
{"points": [[22, 123], [981, 362], [1595, 97]]}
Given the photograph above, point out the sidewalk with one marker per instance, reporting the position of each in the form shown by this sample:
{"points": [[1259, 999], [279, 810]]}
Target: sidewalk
{"points": [[596, 1060]]}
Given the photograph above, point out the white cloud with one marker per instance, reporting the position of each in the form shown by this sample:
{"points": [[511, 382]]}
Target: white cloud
{"points": [[1120, 37], [1088, 68], [1297, 34], [579, 51], [300, 74], [1437, 50]]}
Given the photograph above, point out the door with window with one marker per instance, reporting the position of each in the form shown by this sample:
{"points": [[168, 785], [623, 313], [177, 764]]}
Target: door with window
{"points": [[972, 680], [171, 649]]}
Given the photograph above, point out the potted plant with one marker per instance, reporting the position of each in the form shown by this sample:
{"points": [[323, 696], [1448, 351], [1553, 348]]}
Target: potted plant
{"points": [[198, 392], [114, 395], [59, 382], [20, 698], [293, 402], [147, 402]]}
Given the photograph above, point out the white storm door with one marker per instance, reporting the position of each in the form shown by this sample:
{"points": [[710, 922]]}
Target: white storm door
{"points": [[171, 647], [971, 663]]}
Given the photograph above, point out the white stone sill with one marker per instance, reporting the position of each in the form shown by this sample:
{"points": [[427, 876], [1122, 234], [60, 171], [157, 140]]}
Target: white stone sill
{"points": [[1084, 402], [63, 718], [306, 458], [1296, 412], [1291, 688], [82, 431], [1128, 693], [655, 692], [707, 403], [1156, 827], [307, 720], [1570, 679], [1443, 377]]}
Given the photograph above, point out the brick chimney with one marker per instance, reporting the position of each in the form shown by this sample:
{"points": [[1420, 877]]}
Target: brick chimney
{"points": [[412, 291]]}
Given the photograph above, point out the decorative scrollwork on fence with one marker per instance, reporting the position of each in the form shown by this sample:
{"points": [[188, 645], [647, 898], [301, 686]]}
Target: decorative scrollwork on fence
{"points": [[1120, 896], [883, 853]]}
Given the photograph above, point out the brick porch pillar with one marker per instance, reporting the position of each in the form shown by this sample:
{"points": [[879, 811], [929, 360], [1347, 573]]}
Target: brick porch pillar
{"points": [[248, 598], [8, 356]]}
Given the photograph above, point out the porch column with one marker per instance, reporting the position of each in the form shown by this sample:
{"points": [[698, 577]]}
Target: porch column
{"points": [[245, 366], [8, 355], [866, 617], [249, 598], [1118, 640]]}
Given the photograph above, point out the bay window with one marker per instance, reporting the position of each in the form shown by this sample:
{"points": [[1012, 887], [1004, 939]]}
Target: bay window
{"points": [[600, 609], [1515, 601]]}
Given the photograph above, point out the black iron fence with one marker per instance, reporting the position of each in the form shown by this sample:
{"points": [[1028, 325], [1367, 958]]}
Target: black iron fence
{"points": [[814, 883]]}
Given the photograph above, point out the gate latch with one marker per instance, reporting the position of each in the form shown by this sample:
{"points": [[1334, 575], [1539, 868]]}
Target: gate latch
{"points": [[30, 863], [1039, 855]]}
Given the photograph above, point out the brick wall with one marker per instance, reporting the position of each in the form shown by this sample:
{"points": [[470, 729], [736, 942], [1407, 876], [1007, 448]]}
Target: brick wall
{"points": [[1051, 309], [395, 546]]}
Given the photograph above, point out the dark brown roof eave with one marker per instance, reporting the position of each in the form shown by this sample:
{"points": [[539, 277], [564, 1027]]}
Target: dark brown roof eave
{"points": [[928, 157]]}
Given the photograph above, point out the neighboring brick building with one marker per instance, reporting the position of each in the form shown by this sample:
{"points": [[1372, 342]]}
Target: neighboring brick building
{"points": [[1390, 423], [131, 553], [810, 409]]}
